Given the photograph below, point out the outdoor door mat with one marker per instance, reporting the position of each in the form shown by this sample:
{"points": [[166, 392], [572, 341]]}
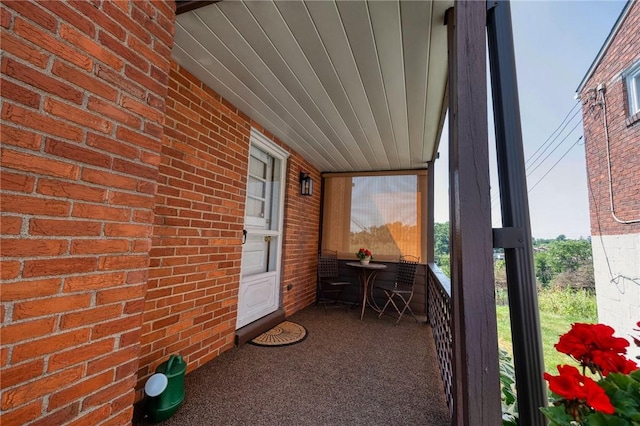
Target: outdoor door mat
{"points": [[283, 334]]}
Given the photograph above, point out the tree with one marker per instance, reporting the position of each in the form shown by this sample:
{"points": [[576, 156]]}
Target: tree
{"points": [[569, 255], [544, 273]]}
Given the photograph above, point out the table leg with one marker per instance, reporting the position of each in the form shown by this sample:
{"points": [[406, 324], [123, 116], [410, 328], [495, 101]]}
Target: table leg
{"points": [[367, 280]]}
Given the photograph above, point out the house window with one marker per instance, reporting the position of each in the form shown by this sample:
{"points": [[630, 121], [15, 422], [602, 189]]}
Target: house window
{"points": [[632, 79], [383, 213]]}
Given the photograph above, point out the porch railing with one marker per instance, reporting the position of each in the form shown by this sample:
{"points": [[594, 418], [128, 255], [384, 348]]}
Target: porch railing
{"points": [[439, 310]]}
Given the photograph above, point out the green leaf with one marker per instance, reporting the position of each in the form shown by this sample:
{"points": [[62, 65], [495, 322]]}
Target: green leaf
{"points": [[599, 419], [557, 415]]}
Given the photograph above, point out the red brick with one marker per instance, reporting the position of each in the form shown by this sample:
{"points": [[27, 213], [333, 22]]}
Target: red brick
{"points": [[69, 15], [10, 225], [93, 282], [90, 316], [139, 108], [134, 169], [64, 227], [108, 179], [121, 51], [125, 20], [112, 145], [53, 305], [120, 294], [34, 13], [19, 94], [29, 289], [117, 113], [84, 80], [58, 188], [115, 78], [106, 263], [97, 51], [13, 333], [131, 200], [51, 44], [80, 354], [9, 269], [144, 80], [115, 327], [60, 417], [15, 46], [47, 384], [138, 139], [16, 182], [22, 373], [102, 212], [37, 79], [30, 163], [127, 230], [77, 115], [99, 246], [32, 205], [96, 15], [19, 137], [49, 345], [5, 18], [39, 122], [27, 247], [94, 417], [79, 389], [111, 360], [58, 266], [22, 415]]}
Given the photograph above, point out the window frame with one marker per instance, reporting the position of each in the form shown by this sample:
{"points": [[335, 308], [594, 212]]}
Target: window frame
{"points": [[345, 200], [632, 83]]}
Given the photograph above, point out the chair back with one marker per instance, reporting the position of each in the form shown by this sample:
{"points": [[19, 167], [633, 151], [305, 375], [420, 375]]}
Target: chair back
{"points": [[406, 271], [328, 264]]}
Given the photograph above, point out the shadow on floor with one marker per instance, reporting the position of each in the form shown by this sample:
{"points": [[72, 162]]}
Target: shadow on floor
{"points": [[346, 372]]}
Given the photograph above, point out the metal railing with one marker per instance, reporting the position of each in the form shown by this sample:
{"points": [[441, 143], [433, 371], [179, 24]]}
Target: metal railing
{"points": [[439, 311]]}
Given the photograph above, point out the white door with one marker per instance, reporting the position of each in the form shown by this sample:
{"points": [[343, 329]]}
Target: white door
{"points": [[259, 293]]}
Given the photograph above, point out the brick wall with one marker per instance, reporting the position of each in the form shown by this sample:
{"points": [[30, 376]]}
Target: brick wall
{"points": [[83, 91], [624, 136], [191, 304]]}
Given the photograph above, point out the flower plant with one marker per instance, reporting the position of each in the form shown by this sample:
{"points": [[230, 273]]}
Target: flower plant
{"points": [[363, 253], [579, 400]]}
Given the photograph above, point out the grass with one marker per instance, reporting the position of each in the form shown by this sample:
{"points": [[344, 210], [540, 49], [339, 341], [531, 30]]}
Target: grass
{"points": [[558, 310]]}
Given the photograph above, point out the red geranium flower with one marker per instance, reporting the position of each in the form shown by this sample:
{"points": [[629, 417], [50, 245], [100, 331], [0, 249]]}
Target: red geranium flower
{"points": [[574, 387], [595, 347]]}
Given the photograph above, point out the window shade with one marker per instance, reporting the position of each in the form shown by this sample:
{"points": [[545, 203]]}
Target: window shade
{"points": [[382, 213]]}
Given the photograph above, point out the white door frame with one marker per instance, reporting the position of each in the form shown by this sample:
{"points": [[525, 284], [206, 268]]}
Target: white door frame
{"points": [[261, 142]]}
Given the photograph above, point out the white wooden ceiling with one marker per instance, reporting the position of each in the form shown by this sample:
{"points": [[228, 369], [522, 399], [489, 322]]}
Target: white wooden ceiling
{"points": [[350, 85]]}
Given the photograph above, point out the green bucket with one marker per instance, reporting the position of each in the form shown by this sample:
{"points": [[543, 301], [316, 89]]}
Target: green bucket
{"points": [[163, 406]]}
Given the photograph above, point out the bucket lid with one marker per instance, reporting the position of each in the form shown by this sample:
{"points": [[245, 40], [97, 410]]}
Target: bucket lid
{"points": [[156, 384]]}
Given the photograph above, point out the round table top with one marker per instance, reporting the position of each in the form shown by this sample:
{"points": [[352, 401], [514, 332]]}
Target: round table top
{"points": [[367, 266]]}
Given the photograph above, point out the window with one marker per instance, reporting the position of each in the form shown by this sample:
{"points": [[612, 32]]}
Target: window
{"points": [[632, 79], [383, 213]]}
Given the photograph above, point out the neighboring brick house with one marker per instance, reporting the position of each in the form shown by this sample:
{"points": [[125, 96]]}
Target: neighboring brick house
{"points": [[610, 94]]}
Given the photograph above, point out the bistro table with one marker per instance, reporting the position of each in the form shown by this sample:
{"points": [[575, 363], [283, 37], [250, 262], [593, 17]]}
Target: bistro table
{"points": [[368, 274]]}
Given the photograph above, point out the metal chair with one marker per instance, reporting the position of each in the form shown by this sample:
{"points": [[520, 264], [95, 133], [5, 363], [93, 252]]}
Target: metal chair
{"points": [[399, 293], [329, 282]]}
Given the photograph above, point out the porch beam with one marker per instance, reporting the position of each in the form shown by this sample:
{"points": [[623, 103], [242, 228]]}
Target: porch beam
{"points": [[475, 342], [183, 6], [521, 283]]}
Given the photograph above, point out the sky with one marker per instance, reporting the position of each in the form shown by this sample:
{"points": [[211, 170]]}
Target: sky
{"points": [[555, 44]]}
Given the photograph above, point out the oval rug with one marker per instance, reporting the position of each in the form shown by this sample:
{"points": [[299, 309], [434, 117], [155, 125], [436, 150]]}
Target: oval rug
{"points": [[285, 333]]}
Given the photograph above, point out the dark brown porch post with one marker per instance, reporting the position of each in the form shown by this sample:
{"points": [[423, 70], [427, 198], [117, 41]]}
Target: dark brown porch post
{"points": [[475, 342]]}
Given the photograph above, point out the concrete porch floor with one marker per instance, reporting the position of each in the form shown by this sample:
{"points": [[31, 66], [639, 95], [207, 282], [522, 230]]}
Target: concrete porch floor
{"points": [[346, 372]]}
